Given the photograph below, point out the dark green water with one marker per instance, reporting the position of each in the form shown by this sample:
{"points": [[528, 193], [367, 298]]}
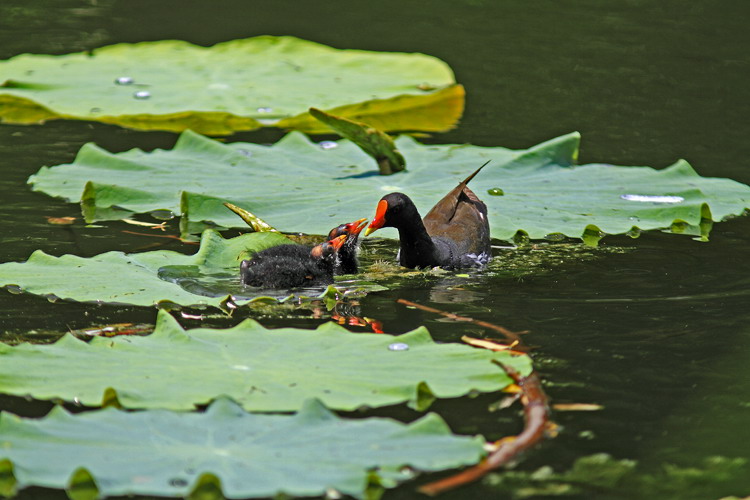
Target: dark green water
{"points": [[658, 333]]}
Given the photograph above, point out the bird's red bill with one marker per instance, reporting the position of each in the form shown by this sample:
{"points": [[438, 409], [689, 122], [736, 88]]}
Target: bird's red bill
{"points": [[379, 220], [356, 227]]}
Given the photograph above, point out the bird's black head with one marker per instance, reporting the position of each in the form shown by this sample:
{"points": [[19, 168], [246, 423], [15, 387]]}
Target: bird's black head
{"points": [[394, 210]]}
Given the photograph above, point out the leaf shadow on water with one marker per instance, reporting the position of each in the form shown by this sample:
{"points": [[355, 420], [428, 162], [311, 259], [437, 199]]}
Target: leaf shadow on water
{"points": [[363, 175]]}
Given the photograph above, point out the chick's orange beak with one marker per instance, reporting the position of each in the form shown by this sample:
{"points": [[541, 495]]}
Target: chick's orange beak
{"points": [[319, 250], [356, 227], [338, 241], [379, 220]]}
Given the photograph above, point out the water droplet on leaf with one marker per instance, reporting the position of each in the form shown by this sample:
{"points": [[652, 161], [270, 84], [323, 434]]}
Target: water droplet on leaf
{"points": [[328, 144], [496, 192], [634, 232], [652, 198], [333, 494], [178, 482], [124, 80], [398, 346], [142, 94], [264, 110], [408, 471], [555, 237], [162, 214]]}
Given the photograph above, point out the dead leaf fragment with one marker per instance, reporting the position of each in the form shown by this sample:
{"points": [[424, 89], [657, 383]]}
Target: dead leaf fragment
{"points": [[114, 330], [61, 221], [577, 407], [161, 225], [488, 344]]}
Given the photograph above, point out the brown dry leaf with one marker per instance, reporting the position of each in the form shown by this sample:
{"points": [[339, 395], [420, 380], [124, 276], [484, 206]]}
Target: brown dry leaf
{"points": [[170, 236], [513, 389], [61, 221], [161, 225], [114, 329], [551, 430], [506, 402], [488, 344], [577, 407]]}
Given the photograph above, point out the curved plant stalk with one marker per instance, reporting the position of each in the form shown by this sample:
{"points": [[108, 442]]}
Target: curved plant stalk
{"points": [[537, 427], [513, 337], [535, 407]]}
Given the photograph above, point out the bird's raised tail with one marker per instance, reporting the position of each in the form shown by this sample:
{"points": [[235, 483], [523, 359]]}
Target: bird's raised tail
{"points": [[445, 209], [466, 181]]}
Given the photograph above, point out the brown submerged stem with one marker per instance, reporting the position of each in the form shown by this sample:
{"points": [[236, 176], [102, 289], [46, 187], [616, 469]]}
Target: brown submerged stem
{"points": [[536, 427], [537, 423], [510, 335]]}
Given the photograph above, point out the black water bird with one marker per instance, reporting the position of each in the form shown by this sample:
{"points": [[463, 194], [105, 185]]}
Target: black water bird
{"points": [[290, 266], [347, 262], [454, 234]]}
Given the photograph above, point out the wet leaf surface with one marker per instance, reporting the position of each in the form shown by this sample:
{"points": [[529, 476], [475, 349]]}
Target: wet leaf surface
{"points": [[163, 453], [232, 86], [206, 278], [299, 186], [262, 369]]}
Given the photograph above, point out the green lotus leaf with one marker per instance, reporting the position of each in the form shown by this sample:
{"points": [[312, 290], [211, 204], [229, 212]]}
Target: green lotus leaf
{"points": [[261, 369], [299, 186], [205, 278], [243, 455], [232, 86]]}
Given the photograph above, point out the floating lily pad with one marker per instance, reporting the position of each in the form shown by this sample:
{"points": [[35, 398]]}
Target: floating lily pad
{"points": [[226, 450], [232, 86], [299, 186], [205, 278], [261, 369]]}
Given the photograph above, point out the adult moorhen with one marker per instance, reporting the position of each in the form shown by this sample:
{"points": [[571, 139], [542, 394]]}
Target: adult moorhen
{"points": [[454, 234], [290, 266], [347, 262]]}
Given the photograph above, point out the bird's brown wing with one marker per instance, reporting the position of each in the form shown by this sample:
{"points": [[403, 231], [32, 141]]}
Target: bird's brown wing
{"points": [[445, 209], [461, 217]]}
